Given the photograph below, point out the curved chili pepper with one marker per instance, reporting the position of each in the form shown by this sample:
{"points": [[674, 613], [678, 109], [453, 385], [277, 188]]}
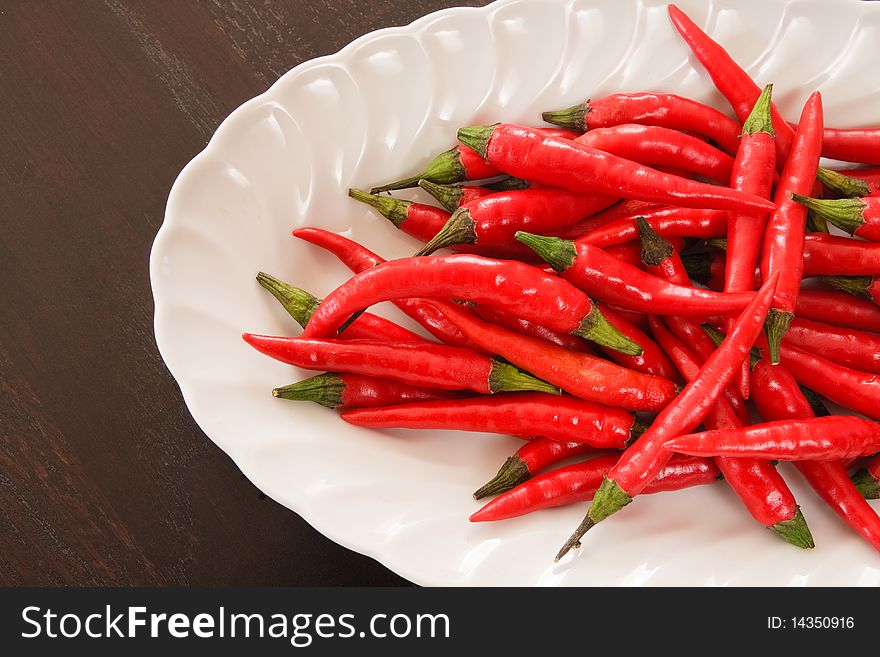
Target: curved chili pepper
{"points": [[867, 480], [300, 305], [850, 388], [730, 79], [661, 147], [536, 455], [459, 164], [829, 255], [756, 482], [783, 249], [452, 197], [525, 327], [494, 219], [753, 172], [579, 374], [669, 222], [526, 153], [359, 258], [856, 216], [837, 182], [652, 360], [838, 308], [578, 483], [346, 390], [778, 397], [659, 258], [864, 287], [511, 286], [816, 439], [859, 350], [852, 145], [646, 457], [562, 418], [422, 364], [665, 110], [612, 281]]}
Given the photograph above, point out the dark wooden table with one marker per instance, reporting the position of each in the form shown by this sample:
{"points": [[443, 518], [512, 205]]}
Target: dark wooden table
{"points": [[104, 477]]}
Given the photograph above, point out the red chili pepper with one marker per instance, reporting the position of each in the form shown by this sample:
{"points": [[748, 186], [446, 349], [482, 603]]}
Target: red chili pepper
{"points": [[578, 483], [526, 153], [867, 480], [856, 216], [346, 390], [300, 305], [494, 220], [579, 374], [838, 308], [525, 327], [778, 397], [666, 110], [753, 173], [755, 481], [422, 364], [837, 182], [669, 222], [641, 463], [452, 197], [359, 258], [659, 258], [511, 286], [829, 255], [661, 147], [563, 418], [612, 281], [816, 439], [850, 388], [652, 360], [416, 219], [730, 79], [859, 350], [459, 164], [536, 455], [853, 145], [783, 249]]}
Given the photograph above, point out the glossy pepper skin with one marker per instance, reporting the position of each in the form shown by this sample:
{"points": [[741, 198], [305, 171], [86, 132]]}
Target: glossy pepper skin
{"points": [[647, 456], [860, 145], [578, 482], [510, 286], [580, 374], [419, 363], [300, 305], [783, 248], [778, 397], [525, 327], [561, 418], [359, 258], [850, 388], [665, 110], [668, 222], [858, 350], [526, 153], [730, 79], [756, 482], [536, 455], [615, 282], [661, 147], [831, 438], [493, 220], [346, 390], [838, 308], [652, 360]]}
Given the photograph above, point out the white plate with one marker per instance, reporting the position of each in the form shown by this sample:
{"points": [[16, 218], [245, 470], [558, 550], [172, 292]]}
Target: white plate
{"points": [[374, 112]]}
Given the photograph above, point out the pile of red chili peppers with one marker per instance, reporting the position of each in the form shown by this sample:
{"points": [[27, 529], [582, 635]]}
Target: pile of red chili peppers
{"points": [[567, 313]]}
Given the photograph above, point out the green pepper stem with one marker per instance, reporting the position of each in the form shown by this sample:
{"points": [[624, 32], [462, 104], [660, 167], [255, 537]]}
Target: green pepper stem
{"points": [[795, 531], [570, 118], [298, 303], [514, 472]]}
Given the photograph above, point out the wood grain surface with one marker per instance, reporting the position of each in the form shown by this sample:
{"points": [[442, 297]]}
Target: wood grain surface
{"points": [[104, 477]]}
